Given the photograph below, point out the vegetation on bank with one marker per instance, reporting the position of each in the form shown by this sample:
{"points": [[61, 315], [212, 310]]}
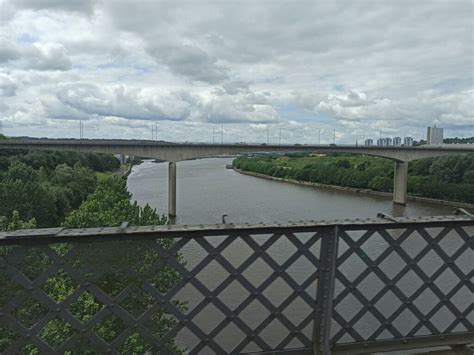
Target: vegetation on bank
{"points": [[446, 178], [44, 187], [468, 140]]}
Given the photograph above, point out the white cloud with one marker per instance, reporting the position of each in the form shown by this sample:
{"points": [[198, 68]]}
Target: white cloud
{"points": [[61, 5], [7, 86], [8, 51], [191, 62], [303, 66], [37, 56], [126, 102]]}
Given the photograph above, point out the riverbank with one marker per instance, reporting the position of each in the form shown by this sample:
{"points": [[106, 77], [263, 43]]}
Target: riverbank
{"points": [[128, 169], [124, 171], [356, 190]]}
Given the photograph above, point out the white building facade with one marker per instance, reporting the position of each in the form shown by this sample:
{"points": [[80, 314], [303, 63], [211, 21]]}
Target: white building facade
{"points": [[434, 135], [408, 141]]}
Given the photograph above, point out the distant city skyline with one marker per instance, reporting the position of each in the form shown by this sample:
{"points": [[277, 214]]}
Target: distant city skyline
{"points": [[232, 134], [301, 68]]}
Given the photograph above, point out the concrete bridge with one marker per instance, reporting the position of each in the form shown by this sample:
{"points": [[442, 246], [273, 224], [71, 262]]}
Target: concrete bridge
{"points": [[174, 152]]}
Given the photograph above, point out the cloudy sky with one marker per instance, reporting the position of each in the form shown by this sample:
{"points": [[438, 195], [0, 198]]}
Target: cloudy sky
{"points": [[359, 68]]}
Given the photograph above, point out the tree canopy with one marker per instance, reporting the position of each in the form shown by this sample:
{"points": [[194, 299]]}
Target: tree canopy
{"points": [[110, 265], [47, 186], [447, 178]]}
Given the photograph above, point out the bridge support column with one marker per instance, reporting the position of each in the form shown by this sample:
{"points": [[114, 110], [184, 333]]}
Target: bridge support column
{"points": [[400, 181], [172, 189]]}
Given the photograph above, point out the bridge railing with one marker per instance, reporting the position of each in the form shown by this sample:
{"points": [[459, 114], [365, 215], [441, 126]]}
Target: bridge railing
{"points": [[350, 287]]}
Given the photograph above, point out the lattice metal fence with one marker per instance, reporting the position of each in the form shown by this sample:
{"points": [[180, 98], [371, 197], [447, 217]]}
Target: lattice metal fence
{"points": [[353, 286]]}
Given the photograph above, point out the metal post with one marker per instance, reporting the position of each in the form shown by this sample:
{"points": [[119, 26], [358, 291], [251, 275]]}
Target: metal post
{"points": [[400, 181], [325, 293], [80, 129], [172, 189]]}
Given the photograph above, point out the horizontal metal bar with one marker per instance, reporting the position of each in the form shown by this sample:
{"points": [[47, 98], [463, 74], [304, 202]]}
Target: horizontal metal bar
{"points": [[464, 351], [462, 211], [404, 343], [300, 351], [59, 235], [386, 345]]}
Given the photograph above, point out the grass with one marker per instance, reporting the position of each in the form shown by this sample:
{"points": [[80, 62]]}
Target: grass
{"points": [[102, 176]]}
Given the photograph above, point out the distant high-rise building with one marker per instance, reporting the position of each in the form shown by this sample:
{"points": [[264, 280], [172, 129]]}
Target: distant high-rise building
{"points": [[388, 141], [381, 142], [368, 142], [397, 141], [408, 141], [434, 135]]}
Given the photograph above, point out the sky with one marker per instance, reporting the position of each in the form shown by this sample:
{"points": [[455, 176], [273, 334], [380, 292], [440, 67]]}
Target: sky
{"points": [[241, 71]]}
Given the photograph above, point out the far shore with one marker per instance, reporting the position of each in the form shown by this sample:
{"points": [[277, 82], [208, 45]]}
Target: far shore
{"points": [[356, 190]]}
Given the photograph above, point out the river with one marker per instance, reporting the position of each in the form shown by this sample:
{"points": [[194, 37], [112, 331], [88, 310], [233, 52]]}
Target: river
{"points": [[206, 190]]}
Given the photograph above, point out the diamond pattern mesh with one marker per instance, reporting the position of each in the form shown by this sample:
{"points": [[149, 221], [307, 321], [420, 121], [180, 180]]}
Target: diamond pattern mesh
{"points": [[398, 283], [167, 295], [243, 290]]}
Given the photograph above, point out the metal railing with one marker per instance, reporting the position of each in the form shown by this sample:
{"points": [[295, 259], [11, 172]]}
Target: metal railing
{"points": [[344, 287]]}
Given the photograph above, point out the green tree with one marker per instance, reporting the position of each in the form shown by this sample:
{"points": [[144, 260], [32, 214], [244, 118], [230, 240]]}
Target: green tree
{"points": [[15, 222], [109, 205], [448, 178], [343, 163], [47, 185], [112, 266], [468, 177], [21, 190]]}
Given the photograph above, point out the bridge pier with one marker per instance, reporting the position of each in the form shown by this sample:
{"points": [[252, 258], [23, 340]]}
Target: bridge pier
{"points": [[400, 181], [172, 189]]}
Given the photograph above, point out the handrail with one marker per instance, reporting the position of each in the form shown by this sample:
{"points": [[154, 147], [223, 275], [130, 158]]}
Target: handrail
{"points": [[350, 286]]}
